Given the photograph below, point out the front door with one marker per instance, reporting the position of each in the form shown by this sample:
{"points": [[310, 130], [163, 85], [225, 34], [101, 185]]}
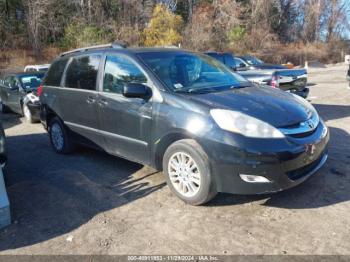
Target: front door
{"points": [[4, 89], [78, 98], [125, 122], [13, 90]]}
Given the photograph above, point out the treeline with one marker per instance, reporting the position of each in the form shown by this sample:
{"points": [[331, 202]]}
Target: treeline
{"points": [[255, 26]]}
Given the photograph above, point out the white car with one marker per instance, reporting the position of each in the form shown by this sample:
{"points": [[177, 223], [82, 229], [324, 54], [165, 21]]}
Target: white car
{"points": [[37, 68]]}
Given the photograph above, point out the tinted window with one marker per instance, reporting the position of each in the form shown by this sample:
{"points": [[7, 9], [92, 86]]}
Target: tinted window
{"points": [[253, 60], [82, 72], [54, 75], [31, 81], [118, 72], [240, 62], [229, 61], [10, 81]]}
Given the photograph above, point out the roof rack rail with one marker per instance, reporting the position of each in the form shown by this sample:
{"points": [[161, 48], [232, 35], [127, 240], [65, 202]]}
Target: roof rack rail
{"points": [[114, 45]]}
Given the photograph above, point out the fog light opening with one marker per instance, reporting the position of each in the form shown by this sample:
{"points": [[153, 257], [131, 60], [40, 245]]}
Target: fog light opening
{"points": [[254, 179]]}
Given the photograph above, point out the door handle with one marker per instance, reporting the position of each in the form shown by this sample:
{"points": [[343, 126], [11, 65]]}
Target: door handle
{"points": [[90, 100], [102, 102]]}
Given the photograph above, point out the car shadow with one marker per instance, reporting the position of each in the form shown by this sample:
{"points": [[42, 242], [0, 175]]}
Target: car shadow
{"points": [[52, 194], [9, 120], [332, 112], [329, 186]]}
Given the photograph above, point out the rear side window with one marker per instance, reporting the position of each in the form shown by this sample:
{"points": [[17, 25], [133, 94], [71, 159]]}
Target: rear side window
{"points": [[54, 75], [10, 81], [82, 72]]}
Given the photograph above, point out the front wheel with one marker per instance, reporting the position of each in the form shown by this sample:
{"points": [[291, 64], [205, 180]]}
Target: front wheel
{"points": [[59, 137], [187, 170]]}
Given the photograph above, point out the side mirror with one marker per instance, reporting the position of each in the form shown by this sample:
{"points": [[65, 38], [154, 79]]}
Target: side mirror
{"points": [[137, 90], [14, 87]]}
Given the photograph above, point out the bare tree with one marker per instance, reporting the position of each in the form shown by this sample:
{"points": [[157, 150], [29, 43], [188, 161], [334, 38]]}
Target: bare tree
{"points": [[337, 13], [35, 18]]}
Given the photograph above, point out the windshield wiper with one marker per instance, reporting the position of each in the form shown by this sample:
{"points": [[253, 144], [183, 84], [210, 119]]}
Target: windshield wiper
{"points": [[208, 89], [239, 86]]}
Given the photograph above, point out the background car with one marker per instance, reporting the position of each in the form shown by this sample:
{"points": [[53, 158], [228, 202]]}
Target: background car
{"points": [[13, 90], [290, 80], [37, 68], [255, 63]]}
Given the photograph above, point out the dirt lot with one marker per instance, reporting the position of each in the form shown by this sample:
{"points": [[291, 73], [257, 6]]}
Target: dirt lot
{"points": [[92, 203]]}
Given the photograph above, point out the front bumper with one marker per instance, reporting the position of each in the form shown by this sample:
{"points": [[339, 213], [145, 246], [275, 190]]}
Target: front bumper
{"points": [[35, 109], [284, 163]]}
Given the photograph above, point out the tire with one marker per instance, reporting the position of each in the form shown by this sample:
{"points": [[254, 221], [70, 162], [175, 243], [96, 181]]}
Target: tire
{"points": [[27, 114], [199, 182], [59, 137]]}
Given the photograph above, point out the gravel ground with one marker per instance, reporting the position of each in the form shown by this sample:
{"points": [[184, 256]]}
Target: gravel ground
{"points": [[93, 203]]}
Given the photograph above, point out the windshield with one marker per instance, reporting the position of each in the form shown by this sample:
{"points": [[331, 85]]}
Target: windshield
{"points": [[253, 60], [190, 73], [31, 81]]}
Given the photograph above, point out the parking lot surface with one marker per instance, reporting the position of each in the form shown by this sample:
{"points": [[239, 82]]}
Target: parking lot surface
{"points": [[92, 203]]}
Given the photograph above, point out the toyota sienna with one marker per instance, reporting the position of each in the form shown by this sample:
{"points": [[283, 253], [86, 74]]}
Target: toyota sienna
{"points": [[185, 113]]}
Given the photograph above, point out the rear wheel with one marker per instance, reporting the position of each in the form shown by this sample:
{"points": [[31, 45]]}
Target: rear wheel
{"points": [[187, 171], [59, 137]]}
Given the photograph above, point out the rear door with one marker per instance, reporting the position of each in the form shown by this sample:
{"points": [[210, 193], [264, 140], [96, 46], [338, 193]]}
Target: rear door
{"points": [[125, 122], [12, 95], [4, 84], [78, 98]]}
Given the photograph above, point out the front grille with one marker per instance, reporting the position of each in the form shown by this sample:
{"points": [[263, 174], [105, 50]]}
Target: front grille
{"points": [[301, 135], [303, 171], [302, 129]]}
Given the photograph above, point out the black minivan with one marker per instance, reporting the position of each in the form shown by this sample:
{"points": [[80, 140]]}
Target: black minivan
{"points": [[185, 113]]}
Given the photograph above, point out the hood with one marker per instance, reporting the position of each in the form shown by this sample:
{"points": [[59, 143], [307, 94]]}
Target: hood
{"points": [[270, 105]]}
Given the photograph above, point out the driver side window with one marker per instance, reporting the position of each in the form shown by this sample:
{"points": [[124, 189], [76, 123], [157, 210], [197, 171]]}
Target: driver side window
{"points": [[10, 81], [120, 71], [239, 63]]}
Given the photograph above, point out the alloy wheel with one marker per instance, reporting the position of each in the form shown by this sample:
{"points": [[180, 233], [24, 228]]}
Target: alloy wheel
{"points": [[184, 174], [57, 136]]}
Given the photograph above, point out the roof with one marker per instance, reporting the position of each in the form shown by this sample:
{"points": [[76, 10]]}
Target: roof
{"points": [[121, 47]]}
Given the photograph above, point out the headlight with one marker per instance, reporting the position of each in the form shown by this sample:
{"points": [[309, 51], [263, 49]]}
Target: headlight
{"points": [[243, 124]]}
